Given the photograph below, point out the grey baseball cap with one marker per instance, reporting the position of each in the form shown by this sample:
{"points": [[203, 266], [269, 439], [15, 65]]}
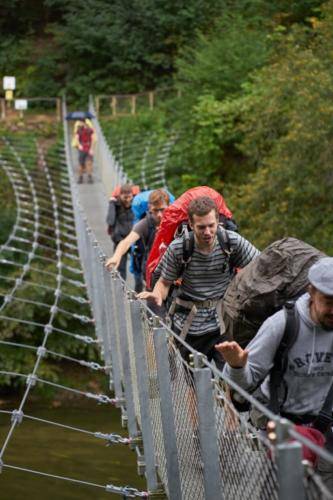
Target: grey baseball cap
{"points": [[321, 275]]}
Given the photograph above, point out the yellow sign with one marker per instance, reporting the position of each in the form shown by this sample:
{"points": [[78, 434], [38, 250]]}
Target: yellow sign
{"points": [[9, 95]]}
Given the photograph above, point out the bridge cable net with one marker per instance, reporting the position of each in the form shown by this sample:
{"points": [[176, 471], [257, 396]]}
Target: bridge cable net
{"points": [[142, 157], [201, 445], [44, 234]]}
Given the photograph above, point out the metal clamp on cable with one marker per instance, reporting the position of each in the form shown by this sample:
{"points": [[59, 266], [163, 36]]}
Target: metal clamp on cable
{"points": [[91, 364], [7, 299], [41, 351], [31, 380], [86, 339], [101, 398], [17, 416], [83, 319], [126, 491], [112, 438], [48, 328]]}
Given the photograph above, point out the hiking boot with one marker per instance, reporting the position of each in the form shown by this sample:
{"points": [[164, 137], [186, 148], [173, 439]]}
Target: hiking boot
{"points": [[90, 179], [80, 179]]}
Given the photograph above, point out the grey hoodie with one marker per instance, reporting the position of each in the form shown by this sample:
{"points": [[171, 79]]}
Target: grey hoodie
{"points": [[309, 374]]}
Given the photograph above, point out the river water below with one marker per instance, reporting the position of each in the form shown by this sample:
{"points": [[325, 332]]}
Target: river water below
{"points": [[63, 452]]}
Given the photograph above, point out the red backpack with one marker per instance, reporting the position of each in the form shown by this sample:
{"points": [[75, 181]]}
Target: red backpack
{"points": [[85, 137], [174, 216]]}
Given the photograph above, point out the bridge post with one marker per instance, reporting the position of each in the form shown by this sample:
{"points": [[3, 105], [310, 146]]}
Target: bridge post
{"points": [[143, 392], [288, 460], [97, 298], [208, 435], [125, 355], [111, 328], [103, 308], [167, 414]]}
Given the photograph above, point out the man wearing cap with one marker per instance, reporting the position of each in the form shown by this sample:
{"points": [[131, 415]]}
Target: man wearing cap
{"points": [[309, 374]]}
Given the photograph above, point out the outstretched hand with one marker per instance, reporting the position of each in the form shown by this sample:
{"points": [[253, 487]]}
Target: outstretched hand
{"points": [[150, 295], [112, 263], [233, 354]]}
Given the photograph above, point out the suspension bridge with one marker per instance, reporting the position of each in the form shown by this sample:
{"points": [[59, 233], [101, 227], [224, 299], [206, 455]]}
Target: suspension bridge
{"points": [[189, 440]]}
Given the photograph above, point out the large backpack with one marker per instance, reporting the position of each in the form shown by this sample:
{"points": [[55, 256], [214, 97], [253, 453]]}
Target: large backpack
{"points": [[278, 274], [174, 224]]}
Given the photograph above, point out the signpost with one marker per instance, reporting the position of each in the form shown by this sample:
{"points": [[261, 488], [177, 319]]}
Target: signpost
{"points": [[21, 105], [9, 82]]}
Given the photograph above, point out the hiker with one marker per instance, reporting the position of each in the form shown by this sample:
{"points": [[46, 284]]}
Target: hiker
{"points": [[84, 138], [308, 374], [195, 312], [144, 229], [120, 222]]}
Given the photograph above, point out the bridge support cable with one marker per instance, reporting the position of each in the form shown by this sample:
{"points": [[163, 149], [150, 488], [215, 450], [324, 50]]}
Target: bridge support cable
{"points": [[125, 491]]}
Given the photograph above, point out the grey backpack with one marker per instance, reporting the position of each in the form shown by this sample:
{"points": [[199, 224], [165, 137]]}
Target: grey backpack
{"points": [[277, 275]]}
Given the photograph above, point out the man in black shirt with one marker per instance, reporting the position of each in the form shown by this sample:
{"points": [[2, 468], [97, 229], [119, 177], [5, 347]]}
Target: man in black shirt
{"points": [[144, 229], [120, 221]]}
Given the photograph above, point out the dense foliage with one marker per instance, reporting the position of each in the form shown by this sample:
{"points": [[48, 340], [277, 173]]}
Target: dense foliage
{"points": [[263, 135], [97, 46]]}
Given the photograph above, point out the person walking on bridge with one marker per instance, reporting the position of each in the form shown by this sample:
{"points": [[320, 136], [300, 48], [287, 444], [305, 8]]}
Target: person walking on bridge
{"points": [[144, 229], [120, 221], [84, 138], [196, 310], [308, 376]]}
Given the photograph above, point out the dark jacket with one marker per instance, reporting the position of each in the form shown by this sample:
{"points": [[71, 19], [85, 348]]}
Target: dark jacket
{"points": [[119, 220]]}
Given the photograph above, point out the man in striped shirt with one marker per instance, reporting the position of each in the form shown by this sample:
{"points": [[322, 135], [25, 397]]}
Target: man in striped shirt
{"points": [[196, 310]]}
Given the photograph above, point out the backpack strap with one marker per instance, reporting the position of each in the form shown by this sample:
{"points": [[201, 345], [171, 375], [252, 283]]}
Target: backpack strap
{"points": [[280, 362], [224, 241], [188, 248], [151, 233]]}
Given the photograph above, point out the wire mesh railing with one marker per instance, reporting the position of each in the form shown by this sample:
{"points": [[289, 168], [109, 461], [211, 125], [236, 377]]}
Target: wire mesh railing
{"points": [[139, 159]]}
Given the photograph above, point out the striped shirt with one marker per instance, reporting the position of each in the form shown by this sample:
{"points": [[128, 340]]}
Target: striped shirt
{"points": [[205, 277]]}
